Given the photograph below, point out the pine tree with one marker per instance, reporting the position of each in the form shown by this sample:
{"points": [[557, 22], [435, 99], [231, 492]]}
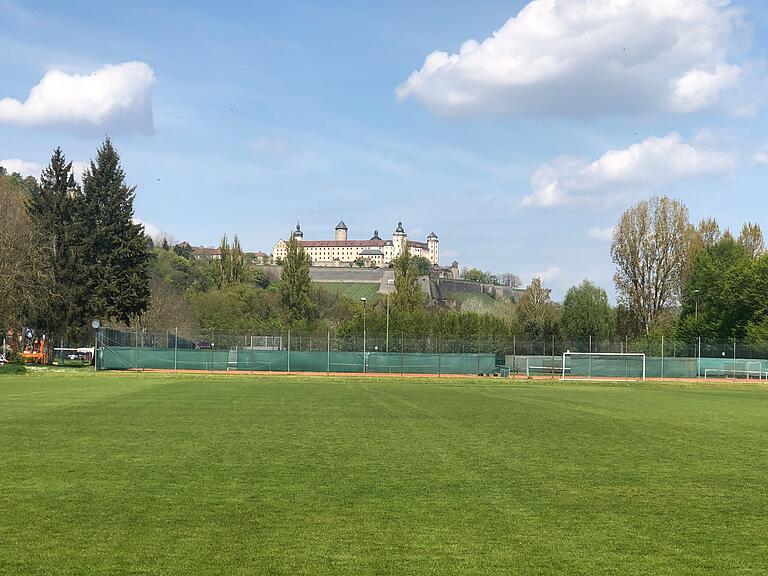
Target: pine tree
{"points": [[117, 249], [54, 207], [295, 284]]}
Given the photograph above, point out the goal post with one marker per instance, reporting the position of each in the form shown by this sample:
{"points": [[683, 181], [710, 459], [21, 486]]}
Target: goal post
{"points": [[624, 366]]}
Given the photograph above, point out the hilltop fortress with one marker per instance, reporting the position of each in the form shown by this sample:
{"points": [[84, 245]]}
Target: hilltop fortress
{"points": [[341, 251]]}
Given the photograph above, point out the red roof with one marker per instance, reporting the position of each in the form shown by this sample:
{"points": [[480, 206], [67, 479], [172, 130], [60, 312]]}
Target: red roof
{"points": [[342, 243]]}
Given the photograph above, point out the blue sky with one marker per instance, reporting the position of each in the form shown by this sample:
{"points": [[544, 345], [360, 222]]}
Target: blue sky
{"points": [[520, 152]]}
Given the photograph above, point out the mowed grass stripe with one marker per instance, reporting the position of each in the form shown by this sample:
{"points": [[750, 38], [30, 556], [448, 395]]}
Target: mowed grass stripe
{"points": [[165, 474]]}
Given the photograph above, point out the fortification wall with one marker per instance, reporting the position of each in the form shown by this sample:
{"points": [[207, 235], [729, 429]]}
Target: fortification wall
{"points": [[447, 286]]}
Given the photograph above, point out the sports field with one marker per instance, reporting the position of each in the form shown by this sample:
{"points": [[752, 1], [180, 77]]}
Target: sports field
{"points": [[171, 474]]}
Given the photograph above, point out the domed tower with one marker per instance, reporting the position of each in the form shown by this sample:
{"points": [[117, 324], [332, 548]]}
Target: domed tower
{"points": [[433, 245], [341, 231], [298, 234], [399, 240]]}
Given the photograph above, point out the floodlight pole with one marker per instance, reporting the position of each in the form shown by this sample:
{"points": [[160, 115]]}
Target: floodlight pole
{"points": [[363, 300], [387, 322], [696, 315]]}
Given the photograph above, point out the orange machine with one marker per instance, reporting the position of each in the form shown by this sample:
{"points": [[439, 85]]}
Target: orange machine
{"points": [[33, 351]]}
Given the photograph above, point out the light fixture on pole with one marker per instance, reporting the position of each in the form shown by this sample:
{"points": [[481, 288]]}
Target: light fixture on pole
{"points": [[696, 292], [363, 300]]}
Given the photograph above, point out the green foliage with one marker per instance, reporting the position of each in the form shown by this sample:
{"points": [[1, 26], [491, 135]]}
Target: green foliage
{"points": [[408, 296], [229, 269], [422, 264], [295, 284], [12, 369], [586, 312], [730, 290], [237, 308], [184, 250], [115, 248], [56, 209], [477, 275], [539, 316]]}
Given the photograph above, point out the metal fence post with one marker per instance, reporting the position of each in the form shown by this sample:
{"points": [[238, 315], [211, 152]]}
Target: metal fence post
{"points": [[552, 369], [401, 353], [175, 348], [662, 355], [514, 354], [289, 351], [698, 359], [439, 367], [328, 337]]}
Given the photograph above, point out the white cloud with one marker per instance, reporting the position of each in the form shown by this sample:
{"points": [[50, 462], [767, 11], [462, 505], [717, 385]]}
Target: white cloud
{"points": [[151, 230], [701, 88], [575, 57], [548, 274], [23, 167], [115, 97], [761, 156], [601, 233], [645, 166], [28, 168], [78, 168]]}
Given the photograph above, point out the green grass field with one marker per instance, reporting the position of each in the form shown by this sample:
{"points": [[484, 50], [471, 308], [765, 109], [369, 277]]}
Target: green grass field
{"points": [[171, 474]]}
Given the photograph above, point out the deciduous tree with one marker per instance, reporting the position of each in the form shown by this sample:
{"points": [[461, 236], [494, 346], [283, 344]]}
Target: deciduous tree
{"points": [[651, 249], [25, 268], [295, 283], [751, 238], [538, 314], [408, 295], [586, 312]]}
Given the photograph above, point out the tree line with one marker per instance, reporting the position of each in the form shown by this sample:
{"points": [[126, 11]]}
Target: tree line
{"points": [[71, 253]]}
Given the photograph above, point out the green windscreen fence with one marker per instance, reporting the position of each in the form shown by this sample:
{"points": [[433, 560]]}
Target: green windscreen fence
{"points": [[132, 358], [628, 366]]}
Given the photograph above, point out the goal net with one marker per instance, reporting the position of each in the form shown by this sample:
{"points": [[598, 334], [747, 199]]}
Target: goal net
{"points": [[603, 366]]}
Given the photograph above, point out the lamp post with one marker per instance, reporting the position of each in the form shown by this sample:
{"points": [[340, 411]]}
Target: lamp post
{"points": [[387, 322], [696, 315], [698, 347], [363, 300]]}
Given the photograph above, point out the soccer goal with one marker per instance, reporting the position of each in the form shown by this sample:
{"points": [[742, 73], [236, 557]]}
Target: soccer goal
{"points": [[603, 366]]}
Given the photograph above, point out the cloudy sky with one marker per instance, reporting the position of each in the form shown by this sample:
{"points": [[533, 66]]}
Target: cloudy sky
{"points": [[517, 131]]}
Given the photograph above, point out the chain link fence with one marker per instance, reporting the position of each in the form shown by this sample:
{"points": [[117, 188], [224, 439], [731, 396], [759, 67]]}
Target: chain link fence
{"points": [[288, 351]]}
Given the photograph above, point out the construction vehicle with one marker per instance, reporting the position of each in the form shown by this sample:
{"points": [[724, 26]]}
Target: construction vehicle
{"points": [[33, 348]]}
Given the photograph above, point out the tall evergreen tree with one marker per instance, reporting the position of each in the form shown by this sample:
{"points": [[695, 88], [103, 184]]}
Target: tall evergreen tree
{"points": [[54, 207], [295, 284], [117, 249]]}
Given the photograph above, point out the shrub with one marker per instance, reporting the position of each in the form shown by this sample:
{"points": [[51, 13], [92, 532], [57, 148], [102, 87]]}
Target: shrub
{"points": [[13, 369]]}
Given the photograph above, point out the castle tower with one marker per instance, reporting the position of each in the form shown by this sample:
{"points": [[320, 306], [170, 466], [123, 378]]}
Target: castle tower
{"points": [[433, 244], [341, 231], [399, 240], [298, 234]]}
